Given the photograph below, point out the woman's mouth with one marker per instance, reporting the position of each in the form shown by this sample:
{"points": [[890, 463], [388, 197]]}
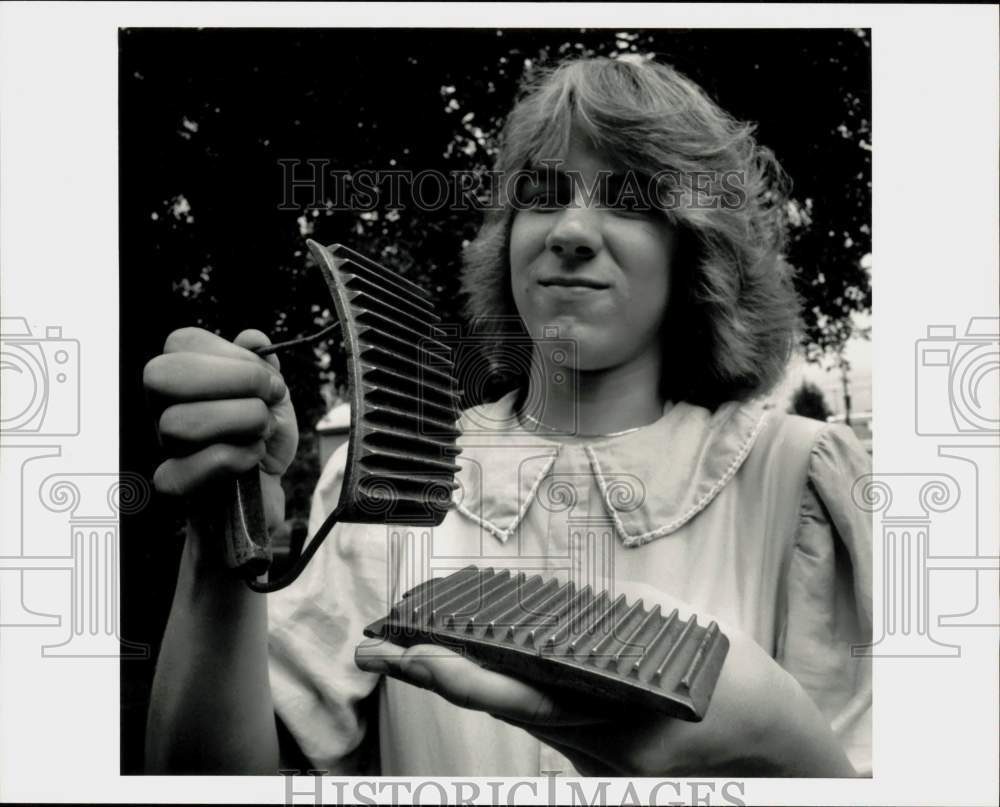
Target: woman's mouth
{"points": [[573, 283]]}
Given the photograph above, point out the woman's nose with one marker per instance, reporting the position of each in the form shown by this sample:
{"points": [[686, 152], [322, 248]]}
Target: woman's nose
{"points": [[575, 234]]}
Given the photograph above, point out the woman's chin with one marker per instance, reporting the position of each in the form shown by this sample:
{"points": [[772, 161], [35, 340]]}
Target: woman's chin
{"points": [[571, 327], [575, 344]]}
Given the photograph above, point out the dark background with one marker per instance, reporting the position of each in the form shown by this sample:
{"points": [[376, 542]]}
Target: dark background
{"points": [[205, 115]]}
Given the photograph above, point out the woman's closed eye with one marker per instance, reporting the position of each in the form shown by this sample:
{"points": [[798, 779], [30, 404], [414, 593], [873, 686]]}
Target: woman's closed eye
{"points": [[622, 193], [628, 195], [543, 195]]}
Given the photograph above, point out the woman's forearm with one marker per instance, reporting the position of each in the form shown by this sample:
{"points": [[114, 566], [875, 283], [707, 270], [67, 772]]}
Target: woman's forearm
{"points": [[800, 740], [211, 708]]}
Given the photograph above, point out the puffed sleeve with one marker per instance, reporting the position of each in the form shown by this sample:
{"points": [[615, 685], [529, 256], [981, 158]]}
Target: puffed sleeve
{"points": [[829, 594], [314, 626]]}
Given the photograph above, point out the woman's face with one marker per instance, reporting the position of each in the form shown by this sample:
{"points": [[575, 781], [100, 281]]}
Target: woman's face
{"points": [[598, 272]]}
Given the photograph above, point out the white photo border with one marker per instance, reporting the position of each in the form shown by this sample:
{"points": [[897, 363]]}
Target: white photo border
{"points": [[935, 173]]}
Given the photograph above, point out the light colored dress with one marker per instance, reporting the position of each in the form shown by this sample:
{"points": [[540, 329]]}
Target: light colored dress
{"points": [[744, 513]]}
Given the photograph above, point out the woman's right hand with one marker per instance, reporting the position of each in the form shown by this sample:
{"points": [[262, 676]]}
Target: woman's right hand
{"points": [[222, 410]]}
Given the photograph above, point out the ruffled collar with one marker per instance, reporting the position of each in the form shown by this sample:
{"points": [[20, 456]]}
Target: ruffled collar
{"points": [[682, 461]]}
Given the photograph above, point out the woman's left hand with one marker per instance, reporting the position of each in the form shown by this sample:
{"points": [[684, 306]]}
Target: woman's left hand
{"points": [[759, 723]]}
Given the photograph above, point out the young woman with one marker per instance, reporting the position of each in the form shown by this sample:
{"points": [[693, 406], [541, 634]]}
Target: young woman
{"points": [[640, 248]]}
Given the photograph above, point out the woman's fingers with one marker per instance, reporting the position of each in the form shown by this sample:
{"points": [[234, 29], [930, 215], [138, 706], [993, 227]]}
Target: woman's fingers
{"points": [[199, 377], [184, 476], [468, 685], [186, 427], [221, 369], [252, 338], [198, 340], [578, 734]]}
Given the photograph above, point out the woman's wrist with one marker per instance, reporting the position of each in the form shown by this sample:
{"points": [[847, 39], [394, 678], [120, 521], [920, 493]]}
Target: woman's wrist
{"points": [[205, 580], [760, 723]]}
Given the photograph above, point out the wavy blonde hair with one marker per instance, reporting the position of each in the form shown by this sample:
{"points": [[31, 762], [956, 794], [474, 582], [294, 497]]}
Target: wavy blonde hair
{"points": [[733, 312]]}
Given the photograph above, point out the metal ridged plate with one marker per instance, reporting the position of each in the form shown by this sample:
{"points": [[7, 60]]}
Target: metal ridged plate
{"points": [[404, 400], [582, 641]]}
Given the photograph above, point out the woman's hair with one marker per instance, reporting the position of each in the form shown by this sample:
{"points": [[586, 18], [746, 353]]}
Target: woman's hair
{"points": [[732, 315]]}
